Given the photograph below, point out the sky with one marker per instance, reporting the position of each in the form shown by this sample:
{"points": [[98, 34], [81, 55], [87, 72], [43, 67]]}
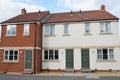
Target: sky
{"points": [[11, 8]]}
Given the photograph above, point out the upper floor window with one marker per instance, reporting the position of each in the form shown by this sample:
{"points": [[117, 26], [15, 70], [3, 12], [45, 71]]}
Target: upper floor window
{"points": [[51, 54], [87, 28], [105, 54], [11, 30], [26, 29], [105, 27], [50, 29], [66, 29], [11, 55]]}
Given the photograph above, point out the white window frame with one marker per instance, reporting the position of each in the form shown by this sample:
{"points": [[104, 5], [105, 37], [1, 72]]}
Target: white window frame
{"points": [[8, 59], [108, 54], [26, 30], [49, 54], [66, 27], [87, 27], [11, 28], [105, 27], [50, 29]]}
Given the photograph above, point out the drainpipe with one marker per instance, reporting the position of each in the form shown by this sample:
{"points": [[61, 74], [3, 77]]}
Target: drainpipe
{"points": [[41, 38], [35, 32]]}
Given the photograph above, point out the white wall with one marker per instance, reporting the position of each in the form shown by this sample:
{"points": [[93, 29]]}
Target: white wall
{"points": [[105, 64], [61, 63], [55, 64], [94, 63], [78, 39]]}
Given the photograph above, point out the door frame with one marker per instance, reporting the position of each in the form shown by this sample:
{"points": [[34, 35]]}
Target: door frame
{"points": [[66, 59], [25, 58], [88, 56]]}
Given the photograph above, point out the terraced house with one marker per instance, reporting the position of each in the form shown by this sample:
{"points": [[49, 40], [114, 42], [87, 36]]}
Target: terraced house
{"points": [[69, 41]]}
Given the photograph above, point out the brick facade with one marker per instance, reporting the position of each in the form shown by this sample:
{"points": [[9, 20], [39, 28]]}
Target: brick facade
{"points": [[20, 42]]}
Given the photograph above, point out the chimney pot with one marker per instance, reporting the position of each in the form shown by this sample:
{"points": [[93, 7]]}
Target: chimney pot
{"points": [[71, 13], [103, 7], [80, 12], [23, 11]]}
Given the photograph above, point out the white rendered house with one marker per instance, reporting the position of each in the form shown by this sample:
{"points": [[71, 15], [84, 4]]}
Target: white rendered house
{"points": [[81, 40]]}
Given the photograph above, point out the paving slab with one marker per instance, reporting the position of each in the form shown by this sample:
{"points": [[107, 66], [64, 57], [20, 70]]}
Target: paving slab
{"points": [[107, 73], [91, 75], [60, 74]]}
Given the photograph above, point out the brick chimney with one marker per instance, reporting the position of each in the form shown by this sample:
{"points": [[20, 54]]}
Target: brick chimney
{"points": [[23, 11], [103, 7]]}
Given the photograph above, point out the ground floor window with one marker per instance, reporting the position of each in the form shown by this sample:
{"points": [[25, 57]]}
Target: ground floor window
{"points": [[51, 54], [11, 55], [105, 54]]}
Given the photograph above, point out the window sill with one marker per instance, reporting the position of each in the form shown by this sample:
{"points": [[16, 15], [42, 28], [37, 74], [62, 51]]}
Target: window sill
{"points": [[106, 61], [51, 61], [49, 35], [10, 35], [25, 35], [87, 34], [66, 35], [10, 61], [105, 33]]}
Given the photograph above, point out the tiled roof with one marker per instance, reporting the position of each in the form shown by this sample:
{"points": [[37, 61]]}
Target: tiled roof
{"points": [[84, 16], [27, 17]]}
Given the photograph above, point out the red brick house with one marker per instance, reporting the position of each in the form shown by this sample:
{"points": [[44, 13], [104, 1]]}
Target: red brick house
{"points": [[20, 44]]}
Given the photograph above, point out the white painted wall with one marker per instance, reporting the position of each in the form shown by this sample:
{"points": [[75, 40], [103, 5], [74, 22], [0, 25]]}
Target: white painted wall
{"points": [[94, 63], [55, 64], [105, 65], [77, 37], [78, 40]]}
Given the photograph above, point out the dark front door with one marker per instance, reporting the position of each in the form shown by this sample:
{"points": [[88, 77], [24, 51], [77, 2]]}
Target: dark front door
{"points": [[69, 59], [85, 58], [28, 59]]}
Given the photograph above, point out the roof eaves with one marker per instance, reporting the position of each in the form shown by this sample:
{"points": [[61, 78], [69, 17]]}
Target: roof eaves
{"points": [[20, 22], [82, 20]]}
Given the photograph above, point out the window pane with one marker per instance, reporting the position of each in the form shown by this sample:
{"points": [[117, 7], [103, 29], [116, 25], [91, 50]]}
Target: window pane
{"points": [[52, 30], [108, 28], [111, 55], [11, 55], [13, 29], [26, 29], [65, 28], [102, 27], [16, 55], [51, 54], [87, 28], [105, 54], [46, 54], [56, 54], [8, 29], [6, 55], [47, 30], [99, 54]]}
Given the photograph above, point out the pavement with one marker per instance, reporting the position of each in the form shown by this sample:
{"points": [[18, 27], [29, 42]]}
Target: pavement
{"points": [[62, 76], [93, 74]]}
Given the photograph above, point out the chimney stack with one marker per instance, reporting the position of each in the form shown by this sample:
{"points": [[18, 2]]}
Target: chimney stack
{"points": [[23, 11], [103, 7]]}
